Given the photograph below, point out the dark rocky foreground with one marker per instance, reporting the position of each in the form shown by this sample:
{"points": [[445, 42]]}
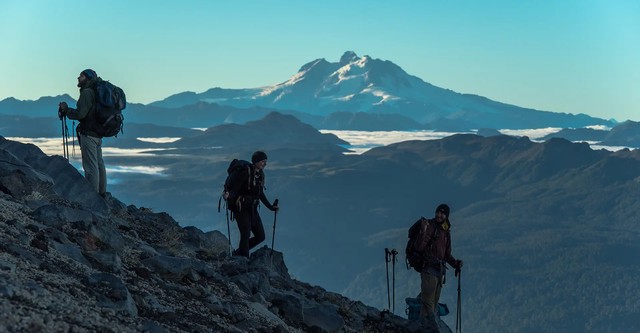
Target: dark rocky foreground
{"points": [[71, 261]]}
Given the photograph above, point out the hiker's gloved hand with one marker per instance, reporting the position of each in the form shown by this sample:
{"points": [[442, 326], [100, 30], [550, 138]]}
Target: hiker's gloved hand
{"points": [[62, 109], [458, 266], [275, 207]]}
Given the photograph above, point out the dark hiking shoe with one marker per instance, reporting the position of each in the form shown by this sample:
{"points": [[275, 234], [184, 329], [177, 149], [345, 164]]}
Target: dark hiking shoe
{"points": [[430, 323], [236, 253]]}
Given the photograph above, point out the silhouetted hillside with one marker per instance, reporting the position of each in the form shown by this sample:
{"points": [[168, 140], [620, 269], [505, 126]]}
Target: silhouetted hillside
{"points": [[578, 134], [273, 131], [30, 127], [45, 106], [367, 122], [73, 261], [625, 134], [522, 212]]}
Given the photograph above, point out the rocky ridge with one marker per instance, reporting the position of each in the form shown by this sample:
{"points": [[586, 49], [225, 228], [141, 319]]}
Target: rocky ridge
{"points": [[72, 261]]}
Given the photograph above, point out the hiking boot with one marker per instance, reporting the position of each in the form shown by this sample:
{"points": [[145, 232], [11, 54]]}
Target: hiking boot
{"points": [[430, 323], [236, 253]]}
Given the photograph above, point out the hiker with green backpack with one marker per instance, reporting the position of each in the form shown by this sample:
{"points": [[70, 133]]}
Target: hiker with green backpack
{"points": [[98, 112], [243, 192], [428, 249]]}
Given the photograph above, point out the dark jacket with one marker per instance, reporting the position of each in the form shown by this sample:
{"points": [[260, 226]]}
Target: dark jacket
{"points": [[436, 242], [85, 110], [247, 189]]}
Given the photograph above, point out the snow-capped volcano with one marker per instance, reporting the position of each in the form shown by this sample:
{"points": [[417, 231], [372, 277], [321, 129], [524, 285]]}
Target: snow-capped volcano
{"points": [[353, 84], [365, 84]]}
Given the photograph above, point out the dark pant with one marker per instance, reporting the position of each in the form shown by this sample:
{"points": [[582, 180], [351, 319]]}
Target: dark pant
{"points": [[249, 222]]}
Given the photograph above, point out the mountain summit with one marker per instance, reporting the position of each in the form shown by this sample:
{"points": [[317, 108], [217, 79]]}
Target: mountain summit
{"points": [[355, 84], [364, 84]]}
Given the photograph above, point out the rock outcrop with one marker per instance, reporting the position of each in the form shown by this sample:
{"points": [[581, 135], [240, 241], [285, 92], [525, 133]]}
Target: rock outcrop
{"points": [[72, 261]]}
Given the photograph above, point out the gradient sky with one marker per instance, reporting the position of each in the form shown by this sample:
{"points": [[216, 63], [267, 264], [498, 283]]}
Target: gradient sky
{"points": [[574, 56]]}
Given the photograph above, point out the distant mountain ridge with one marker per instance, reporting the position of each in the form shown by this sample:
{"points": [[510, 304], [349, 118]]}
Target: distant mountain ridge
{"points": [[364, 84], [255, 133], [43, 106], [379, 93], [626, 134]]}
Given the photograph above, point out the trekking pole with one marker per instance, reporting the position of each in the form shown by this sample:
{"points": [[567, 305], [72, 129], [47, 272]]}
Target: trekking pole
{"points": [[63, 144], [459, 307], [73, 135], [273, 236], [226, 207], [386, 261], [228, 230], [66, 135], [393, 265], [65, 138], [61, 128]]}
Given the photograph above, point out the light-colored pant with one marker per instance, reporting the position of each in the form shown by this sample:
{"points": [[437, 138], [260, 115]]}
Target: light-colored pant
{"points": [[92, 163], [430, 288]]}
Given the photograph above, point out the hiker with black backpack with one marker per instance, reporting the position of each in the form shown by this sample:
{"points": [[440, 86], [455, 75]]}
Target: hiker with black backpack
{"points": [[244, 190], [428, 249], [98, 112], [89, 140]]}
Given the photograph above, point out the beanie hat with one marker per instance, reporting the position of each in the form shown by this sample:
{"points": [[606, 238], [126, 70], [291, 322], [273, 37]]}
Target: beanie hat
{"points": [[443, 208], [89, 73], [258, 156]]}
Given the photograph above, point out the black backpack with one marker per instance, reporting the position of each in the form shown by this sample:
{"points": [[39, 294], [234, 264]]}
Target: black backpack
{"points": [[414, 258], [235, 172], [110, 101]]}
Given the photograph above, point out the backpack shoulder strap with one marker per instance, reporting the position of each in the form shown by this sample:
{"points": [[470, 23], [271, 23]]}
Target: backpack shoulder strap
{"points": [[433, 235], [424, 224], [435, 228], [415, 226]]}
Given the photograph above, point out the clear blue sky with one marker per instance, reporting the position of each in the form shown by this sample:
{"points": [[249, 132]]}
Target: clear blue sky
{"points": [[574, 56]]}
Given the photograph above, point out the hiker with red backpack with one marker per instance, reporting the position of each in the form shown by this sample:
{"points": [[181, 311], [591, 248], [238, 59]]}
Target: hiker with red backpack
{"points": [[243, 192], [99, 113], [428, 249]]}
